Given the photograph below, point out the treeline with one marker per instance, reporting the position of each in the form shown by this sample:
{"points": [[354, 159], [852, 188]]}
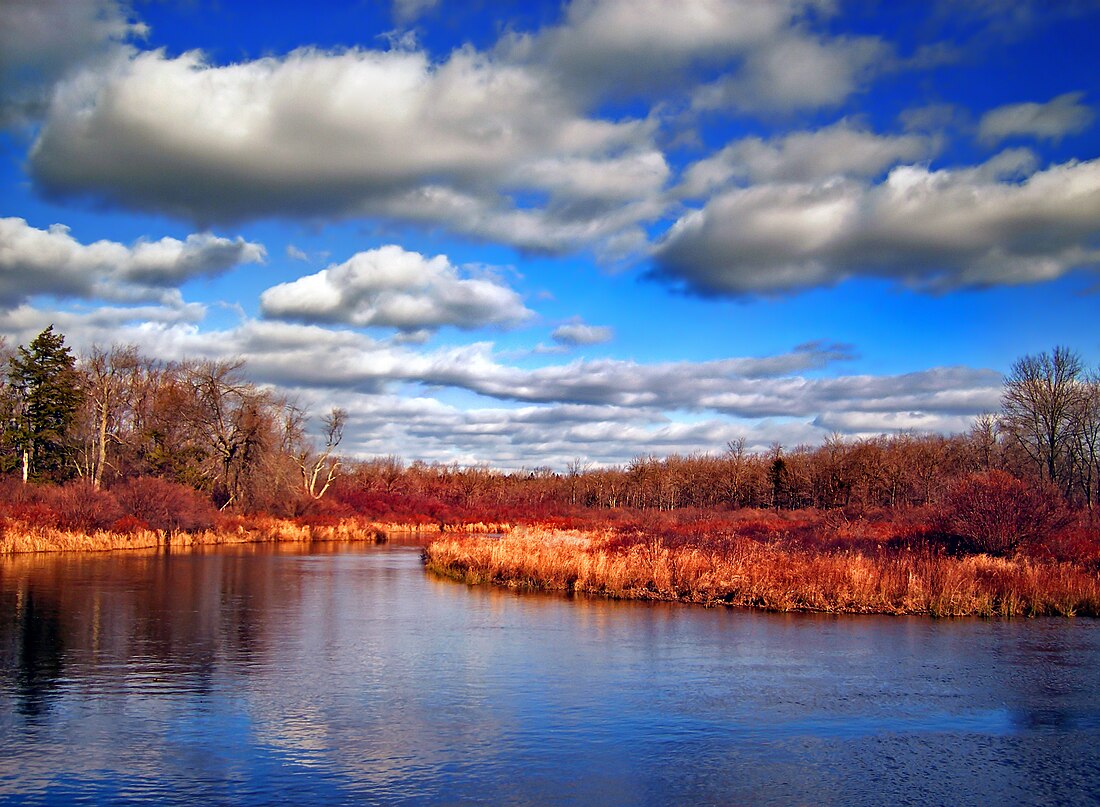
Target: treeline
{"points": [[1047, 436], [116, 415]]}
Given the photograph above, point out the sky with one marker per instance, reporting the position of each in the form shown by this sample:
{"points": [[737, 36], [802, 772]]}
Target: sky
{"points": [[521, 234]]}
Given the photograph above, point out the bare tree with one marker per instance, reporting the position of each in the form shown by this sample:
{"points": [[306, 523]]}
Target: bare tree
{"points": [[1085, 441], [320, 468], [236, 422], [576, 468], [109, 380], [983, 438], [1038, 403]]}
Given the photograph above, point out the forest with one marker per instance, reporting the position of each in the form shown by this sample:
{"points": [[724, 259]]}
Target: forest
{"points": [[116, 443]]}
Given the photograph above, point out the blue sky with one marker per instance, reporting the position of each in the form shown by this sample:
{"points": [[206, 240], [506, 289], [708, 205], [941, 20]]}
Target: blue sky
{"points": [[520, 233]]}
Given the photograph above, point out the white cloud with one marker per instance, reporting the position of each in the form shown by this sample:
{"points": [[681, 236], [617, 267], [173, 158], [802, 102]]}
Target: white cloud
{"points": [[1053, 120], [51, 261], [98, 325], [353, 133], [391, 287], [405, 11], [933, 230], [795, 71], [608, 410], [767, 54], [41, 41], [842, 149], [578, 333]]}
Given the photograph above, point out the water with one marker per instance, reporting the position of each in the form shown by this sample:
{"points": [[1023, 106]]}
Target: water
{"points": [[346, 674]]}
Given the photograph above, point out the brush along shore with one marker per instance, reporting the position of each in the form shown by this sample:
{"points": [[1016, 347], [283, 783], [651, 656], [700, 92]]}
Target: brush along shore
{"points": [[21, 537], [748, 573]]}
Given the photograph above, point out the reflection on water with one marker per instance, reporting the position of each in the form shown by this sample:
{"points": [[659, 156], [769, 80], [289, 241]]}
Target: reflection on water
{"points": [[338, 674]]}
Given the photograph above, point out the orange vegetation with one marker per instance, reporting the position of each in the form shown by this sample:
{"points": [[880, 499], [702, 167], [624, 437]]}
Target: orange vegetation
{"points": [[18, 536], [740, 571]]}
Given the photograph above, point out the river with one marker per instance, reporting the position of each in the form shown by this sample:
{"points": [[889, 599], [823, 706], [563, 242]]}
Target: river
{"points": [[336, 674]]}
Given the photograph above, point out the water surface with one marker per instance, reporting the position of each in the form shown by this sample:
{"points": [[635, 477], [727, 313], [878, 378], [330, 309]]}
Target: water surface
{"points": [[346, 674]]}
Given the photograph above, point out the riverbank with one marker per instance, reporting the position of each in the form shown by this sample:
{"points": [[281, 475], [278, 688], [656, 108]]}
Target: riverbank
{"points": [[20, 537], [747, 573]]}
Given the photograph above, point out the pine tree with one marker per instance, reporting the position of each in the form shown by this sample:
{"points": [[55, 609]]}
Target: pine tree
{"points": [[45, 394]]}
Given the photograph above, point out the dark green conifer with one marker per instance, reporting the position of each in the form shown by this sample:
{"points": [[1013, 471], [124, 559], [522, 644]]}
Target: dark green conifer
{"points": [[45, 394]]}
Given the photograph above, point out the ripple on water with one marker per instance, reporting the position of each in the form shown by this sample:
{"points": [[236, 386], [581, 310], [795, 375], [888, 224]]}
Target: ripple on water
{"points": [[352, 677]]}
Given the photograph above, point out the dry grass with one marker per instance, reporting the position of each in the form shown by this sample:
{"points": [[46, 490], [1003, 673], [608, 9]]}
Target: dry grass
{"points": [[752, 574], [18, 536]]}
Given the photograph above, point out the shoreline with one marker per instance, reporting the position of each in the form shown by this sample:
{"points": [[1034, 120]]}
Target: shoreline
{"points": [[21, 539], [769, 577], [731, 572]]}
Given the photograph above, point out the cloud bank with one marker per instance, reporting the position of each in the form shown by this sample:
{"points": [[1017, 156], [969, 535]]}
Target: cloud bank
{"points": [[34, 261], [355, 133], [931, 230]]}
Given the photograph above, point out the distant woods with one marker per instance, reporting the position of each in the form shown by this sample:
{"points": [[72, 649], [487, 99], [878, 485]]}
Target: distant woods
{"points": [[1046, 438], [115, 416]]}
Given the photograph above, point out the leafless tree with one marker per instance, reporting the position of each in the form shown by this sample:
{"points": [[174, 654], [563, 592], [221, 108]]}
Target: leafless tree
{"points": [[236, 421], [1038, 403], [1085, 440], [320, 468]]}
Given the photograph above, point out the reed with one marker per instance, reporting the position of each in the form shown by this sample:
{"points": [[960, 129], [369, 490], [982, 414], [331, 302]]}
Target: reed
{"points": [[18, 536], [748, 573]]}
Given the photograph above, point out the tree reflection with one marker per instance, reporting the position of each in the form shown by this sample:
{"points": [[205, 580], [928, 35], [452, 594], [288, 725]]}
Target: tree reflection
{"points": [[39, 654]]}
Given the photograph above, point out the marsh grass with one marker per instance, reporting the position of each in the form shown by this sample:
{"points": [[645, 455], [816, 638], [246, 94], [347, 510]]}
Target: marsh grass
{"points": [[19, 536], [747, 573]]}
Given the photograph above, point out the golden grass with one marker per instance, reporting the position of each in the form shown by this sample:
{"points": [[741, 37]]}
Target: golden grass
{"points": [[19, 537], [751, 574]]}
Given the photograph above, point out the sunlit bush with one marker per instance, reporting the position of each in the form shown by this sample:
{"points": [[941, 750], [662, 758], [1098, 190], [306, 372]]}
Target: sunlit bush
{"points": [[164, 505], [994, 512], [83, 508]]}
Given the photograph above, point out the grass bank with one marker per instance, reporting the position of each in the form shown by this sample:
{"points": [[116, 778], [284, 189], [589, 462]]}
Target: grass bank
{"points": [[742, 572], [17, 536]]}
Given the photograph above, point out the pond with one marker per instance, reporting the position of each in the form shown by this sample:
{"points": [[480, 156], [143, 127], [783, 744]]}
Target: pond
{"points": [[339, 674]]}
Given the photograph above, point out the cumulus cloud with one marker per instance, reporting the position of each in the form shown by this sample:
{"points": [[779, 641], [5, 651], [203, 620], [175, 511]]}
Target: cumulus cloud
{"points": [[577, 333], [933, 230], [1061, 116], [51, 261], [352, 133], [843, 149], [501, 145], [767, 53], [392, 287], [795, 72], [42, 41]]}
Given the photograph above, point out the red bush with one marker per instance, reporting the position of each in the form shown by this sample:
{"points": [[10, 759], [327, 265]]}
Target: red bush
{"points": [[994, 512], [80, 507], [128, 524], [1078, 541], [164, 505]]}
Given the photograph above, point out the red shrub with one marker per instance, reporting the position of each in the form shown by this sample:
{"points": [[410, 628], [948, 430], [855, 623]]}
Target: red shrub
{"points": [[33, 514], [1078, 541], [994, 512], [128, 525], [82, 508], [164, 505]]}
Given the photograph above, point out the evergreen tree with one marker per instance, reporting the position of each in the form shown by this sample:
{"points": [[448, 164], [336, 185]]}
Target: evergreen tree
{"points": [[45, 393]]}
